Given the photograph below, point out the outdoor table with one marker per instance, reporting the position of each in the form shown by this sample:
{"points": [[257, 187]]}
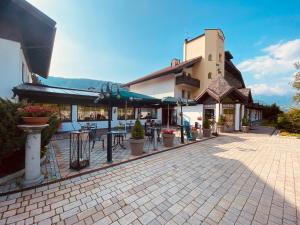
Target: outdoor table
{"points": [[118, 134]]}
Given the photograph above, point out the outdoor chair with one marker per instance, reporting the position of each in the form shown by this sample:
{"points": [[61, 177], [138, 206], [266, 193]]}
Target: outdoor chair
{"points": [[96, 137], [149, 135]]}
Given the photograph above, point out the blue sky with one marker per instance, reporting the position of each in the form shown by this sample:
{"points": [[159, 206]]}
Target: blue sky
{"points": [[123, 40]]}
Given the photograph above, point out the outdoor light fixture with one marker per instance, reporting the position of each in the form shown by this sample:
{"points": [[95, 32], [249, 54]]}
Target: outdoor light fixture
{"points": [[109, 95]]}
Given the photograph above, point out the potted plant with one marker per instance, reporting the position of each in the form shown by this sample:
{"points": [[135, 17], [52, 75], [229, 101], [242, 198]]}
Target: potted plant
{"points": [[194, 133], [245, 125], [206, 128], [137, 139], [35, 115], [168, 137], [221, 123]]}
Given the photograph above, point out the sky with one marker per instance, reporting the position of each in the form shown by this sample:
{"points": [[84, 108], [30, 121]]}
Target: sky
{"points": [[121, 40]]}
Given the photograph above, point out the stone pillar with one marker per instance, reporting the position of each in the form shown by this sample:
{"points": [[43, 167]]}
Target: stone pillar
{"points": [[33, 174], [242, 113], [237, 119], [217, 111]]}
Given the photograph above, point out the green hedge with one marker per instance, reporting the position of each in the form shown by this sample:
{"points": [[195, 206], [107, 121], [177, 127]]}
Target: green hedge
{"points": [[290, 121]]}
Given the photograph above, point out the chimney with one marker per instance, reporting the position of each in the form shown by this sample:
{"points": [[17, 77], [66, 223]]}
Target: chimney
{"points": [[175, 62]]}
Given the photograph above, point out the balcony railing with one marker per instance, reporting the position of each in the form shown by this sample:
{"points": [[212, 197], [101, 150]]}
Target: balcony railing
{"points": [[187, 80]]}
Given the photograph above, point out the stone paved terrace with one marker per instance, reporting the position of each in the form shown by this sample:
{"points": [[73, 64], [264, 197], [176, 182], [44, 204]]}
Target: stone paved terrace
{"points": [[233, 179]]}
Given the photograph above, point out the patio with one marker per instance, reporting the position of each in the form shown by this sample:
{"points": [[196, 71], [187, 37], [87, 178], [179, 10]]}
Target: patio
{"points": [[56, 164], [233, 179]]}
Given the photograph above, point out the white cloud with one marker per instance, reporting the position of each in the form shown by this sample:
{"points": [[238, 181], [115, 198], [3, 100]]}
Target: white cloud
{"points": [[268, 90], [278, 60]]}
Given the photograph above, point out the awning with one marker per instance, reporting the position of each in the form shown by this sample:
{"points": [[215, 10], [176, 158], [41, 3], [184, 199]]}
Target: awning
{"points": [[175, 101]]}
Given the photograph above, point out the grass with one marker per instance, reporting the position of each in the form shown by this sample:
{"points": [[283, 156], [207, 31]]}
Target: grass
{"points": [[268, 123], [286, 133]]}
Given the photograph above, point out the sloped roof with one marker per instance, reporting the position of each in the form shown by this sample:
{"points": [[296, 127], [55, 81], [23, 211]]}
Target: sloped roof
{"points": [[166, 71], [220, 87], [23, 23]]}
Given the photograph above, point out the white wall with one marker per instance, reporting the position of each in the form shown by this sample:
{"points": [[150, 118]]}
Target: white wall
{"points": [[190, 113], [11, 59], [158, 88]]}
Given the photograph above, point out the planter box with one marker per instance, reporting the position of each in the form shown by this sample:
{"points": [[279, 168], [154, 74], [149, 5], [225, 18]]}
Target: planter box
{"points": [[35, 120], [245, 129], [206, 132], [194, 135], [221, 128], [137, 146], [168, 140]]}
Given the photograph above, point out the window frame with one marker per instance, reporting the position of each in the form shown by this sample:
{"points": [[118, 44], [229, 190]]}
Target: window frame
{"points": [[134, 117]]}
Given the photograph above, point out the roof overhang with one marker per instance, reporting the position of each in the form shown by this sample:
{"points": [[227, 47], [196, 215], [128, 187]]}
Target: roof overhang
{"points": [[23, 23], [232, 92]]}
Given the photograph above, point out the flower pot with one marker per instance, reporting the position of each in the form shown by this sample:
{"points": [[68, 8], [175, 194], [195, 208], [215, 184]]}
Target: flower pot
{"points": [[136, 146], [206, 132], [168, 140], [35, 120], [194, 135], [221, 128], [245, 129]]}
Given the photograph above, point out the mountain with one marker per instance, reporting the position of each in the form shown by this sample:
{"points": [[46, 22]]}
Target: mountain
{"points": [[285, 102]]}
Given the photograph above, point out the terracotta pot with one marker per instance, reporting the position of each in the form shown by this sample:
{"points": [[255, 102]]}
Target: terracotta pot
{"points": [[168, 140], [221, 128], [194, 135], [35, 120], [206, 132], [245, 129], [137, 146]]}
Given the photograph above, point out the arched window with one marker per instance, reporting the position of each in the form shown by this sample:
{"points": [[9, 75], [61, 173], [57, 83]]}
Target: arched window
{"points": [[220, 57], [209, 57], [209, 75]]}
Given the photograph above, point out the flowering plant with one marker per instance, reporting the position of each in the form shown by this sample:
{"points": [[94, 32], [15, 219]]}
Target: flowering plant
{"points": [[35, 111], [168, 131], [194, 129]]}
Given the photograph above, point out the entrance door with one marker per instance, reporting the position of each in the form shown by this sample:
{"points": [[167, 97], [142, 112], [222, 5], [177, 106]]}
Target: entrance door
{"points": [[229, 119], [172, 116], [209, 114]]}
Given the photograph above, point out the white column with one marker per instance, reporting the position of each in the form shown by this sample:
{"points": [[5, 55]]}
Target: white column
{"points": [[237, 117], [33, 154], [217, 111], [243, 111]]}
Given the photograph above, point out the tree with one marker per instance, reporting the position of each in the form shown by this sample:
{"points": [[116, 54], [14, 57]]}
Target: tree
{"points": [[296, 83]]}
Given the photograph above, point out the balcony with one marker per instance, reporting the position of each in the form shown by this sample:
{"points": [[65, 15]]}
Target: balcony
{"points": [[185, 79]]}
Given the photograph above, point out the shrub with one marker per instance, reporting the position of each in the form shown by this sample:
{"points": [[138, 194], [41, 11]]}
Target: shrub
{"points": [[137, 131], [221, 120], [206, 124], [245, 121], [290, 121], [49, 131]]}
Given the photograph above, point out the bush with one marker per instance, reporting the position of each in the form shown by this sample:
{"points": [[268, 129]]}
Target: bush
{"points": [[245, 121], [137, 131], [206, 124], [290, 121], [221, 120], [271, 112], [13, 139]]}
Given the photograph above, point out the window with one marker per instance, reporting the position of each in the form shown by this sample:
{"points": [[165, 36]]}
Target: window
{"points": [[130, 115], [148, 113], [209, 57], [63, 111], [209, 75], [189, 95], [92, 113], [182, 93], [220, 57]]}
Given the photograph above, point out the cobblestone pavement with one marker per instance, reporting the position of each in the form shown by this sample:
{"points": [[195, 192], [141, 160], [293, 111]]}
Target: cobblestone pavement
{"points": [[233, 179]]}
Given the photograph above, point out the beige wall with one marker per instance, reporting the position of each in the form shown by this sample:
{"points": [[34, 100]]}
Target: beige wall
{"points": [[212, 42]]}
